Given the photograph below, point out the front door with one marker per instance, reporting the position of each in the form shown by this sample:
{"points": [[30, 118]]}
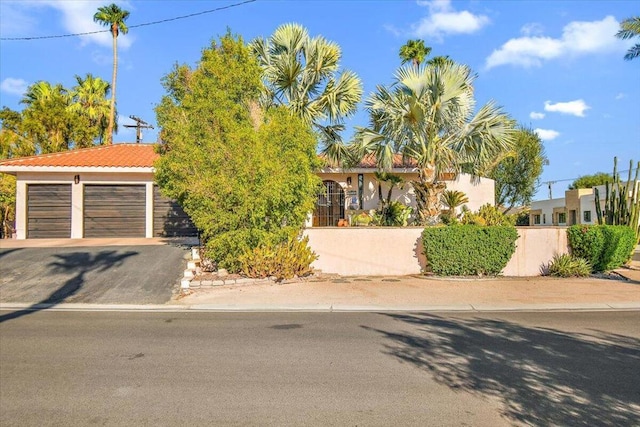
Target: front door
{"points": [[329, 205]]}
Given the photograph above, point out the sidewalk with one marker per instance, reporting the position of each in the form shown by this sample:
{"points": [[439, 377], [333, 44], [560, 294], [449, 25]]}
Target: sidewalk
{"points": [[413, 293]]}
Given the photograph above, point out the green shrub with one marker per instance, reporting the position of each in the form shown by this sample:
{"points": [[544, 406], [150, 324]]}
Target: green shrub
{"points": [[586, 242], [468, 249], [605, 247], [284, 260], [395, 214], [620, 240], [566, 265], [486, 215]]}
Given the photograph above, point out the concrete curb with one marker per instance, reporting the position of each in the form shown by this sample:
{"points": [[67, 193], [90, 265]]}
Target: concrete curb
{"points": [[633, 306]]}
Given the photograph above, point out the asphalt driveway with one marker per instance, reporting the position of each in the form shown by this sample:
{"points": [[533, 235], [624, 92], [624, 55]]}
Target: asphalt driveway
{"points": [[100, 275]]}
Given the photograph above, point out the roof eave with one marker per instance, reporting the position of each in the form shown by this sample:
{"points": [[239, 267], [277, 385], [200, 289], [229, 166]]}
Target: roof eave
{"points": [[12, 169]]}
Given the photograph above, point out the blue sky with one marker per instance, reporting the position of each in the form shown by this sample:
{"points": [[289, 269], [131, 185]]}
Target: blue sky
{"points": [[553, 65]]}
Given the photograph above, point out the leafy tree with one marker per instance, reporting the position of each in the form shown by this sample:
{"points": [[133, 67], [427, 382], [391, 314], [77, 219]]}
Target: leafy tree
{"points": [[303, 73], [414, 51], [630, 28], [590, 181], [244, 175], [427, 115], [113, 17], [517, 175]]}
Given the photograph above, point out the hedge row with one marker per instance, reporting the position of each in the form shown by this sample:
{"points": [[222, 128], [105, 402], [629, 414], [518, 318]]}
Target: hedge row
{"points": [[606, 247], [468, 249]]}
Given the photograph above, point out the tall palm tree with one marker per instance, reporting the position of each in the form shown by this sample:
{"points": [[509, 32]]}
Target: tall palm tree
{"points": [[414, 51], [89, 98], [303, 73], [630, 28], [427, 115], [113, 17]]}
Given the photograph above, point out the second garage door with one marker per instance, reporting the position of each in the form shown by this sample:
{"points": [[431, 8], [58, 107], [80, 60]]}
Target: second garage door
{"points": [[114, 210]]}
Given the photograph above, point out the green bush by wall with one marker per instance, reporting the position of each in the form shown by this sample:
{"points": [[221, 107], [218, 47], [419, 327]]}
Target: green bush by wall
{"points": [[606, 247], [468, 249]]}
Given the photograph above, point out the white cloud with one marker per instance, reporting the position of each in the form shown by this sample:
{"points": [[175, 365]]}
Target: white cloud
{"points": [[547, 134], [444, 20], [574, 108], [536, 116], [578, 38], [14, 86], [532, 29], [621, 95], [77, 17]]}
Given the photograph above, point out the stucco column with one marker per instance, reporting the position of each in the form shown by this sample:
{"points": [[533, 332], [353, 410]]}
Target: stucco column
{"points": [[77, 209], [149, 211], [21, 210]]}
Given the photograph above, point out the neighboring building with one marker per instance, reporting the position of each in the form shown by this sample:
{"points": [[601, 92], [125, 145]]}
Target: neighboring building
{"points": [[577, 207], [109, 191]]}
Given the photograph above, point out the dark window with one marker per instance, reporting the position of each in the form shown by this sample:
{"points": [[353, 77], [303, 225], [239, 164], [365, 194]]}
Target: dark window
{"points": [[562, 218], [587, 216], [544, 218], [536, 219]]}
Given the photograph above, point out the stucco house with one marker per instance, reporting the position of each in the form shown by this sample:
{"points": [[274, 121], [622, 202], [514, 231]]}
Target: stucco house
{"points": [[109, 191], [576, 207]]}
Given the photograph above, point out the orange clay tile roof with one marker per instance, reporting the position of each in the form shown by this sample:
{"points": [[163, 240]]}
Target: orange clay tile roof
{"points": [[369, 161], [109, 156]]}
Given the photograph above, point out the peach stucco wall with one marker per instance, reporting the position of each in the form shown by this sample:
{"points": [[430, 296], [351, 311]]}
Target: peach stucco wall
{"points": [[398, 251]]}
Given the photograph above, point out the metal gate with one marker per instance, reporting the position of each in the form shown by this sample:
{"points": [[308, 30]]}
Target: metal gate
{"points": [[329, 205]]}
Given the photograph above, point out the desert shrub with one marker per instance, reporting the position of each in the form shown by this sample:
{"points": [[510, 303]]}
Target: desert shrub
{"points": [[566, 265], [285, 260], [395, 214], [468, 249], [486, 215], [605, 247], [620, 240], [362, 219], [586, 242]]}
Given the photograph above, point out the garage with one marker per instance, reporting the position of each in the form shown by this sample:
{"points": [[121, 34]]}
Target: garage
{"points": [[114, 210], [169, 220], [48, 211]]}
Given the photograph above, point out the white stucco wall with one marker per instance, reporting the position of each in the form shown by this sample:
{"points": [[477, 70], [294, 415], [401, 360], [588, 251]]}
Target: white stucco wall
{"points": [[546, 207], [382, 251]]}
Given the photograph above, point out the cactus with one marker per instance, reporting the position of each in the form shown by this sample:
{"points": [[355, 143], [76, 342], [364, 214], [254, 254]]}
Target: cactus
{"points": [[621, 208]]}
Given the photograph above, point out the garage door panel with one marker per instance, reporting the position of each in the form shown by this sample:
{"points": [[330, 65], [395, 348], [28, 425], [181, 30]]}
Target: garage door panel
{"points": [[48, 211], [114, 210], [169, 219]]}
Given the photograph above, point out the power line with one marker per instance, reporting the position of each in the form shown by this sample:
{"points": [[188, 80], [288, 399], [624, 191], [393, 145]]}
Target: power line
{"points": [[131, 26]]}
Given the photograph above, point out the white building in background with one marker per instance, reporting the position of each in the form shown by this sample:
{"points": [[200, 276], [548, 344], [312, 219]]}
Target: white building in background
{"points": [[576, 207]]}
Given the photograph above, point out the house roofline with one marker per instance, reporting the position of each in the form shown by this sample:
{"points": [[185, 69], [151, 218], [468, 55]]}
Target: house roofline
{"points": [[12, 170]]}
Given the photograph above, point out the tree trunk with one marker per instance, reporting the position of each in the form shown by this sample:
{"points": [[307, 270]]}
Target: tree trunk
{"points": [[109, 139], [428, 201]]}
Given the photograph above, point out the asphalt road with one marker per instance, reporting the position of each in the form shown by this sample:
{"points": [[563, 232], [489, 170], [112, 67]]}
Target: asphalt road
{"points": [[103, 275], [199, 368]]}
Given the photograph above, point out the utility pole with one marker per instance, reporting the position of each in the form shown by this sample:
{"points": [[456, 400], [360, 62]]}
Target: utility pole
{"points": [[550, 183], [140, 124]]}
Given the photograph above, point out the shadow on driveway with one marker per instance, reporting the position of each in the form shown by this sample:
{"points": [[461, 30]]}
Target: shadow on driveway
{"points": [[541, 376], [78, 264]]}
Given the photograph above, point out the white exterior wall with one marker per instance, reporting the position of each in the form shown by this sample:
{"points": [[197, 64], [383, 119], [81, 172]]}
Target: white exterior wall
{"points": [[547, 206], [77, 195]]}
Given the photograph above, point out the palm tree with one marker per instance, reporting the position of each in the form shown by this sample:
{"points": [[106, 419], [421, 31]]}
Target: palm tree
{"points": [[453, 199], [427, 116], [44, 117], [303, 74], [630, 28], [414, 51], [113, 17], [89, 98]]}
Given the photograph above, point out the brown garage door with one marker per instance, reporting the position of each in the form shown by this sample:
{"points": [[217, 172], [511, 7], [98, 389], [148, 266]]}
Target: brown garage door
{"points": [[48, 211], [169, 220], [114, 210]]}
